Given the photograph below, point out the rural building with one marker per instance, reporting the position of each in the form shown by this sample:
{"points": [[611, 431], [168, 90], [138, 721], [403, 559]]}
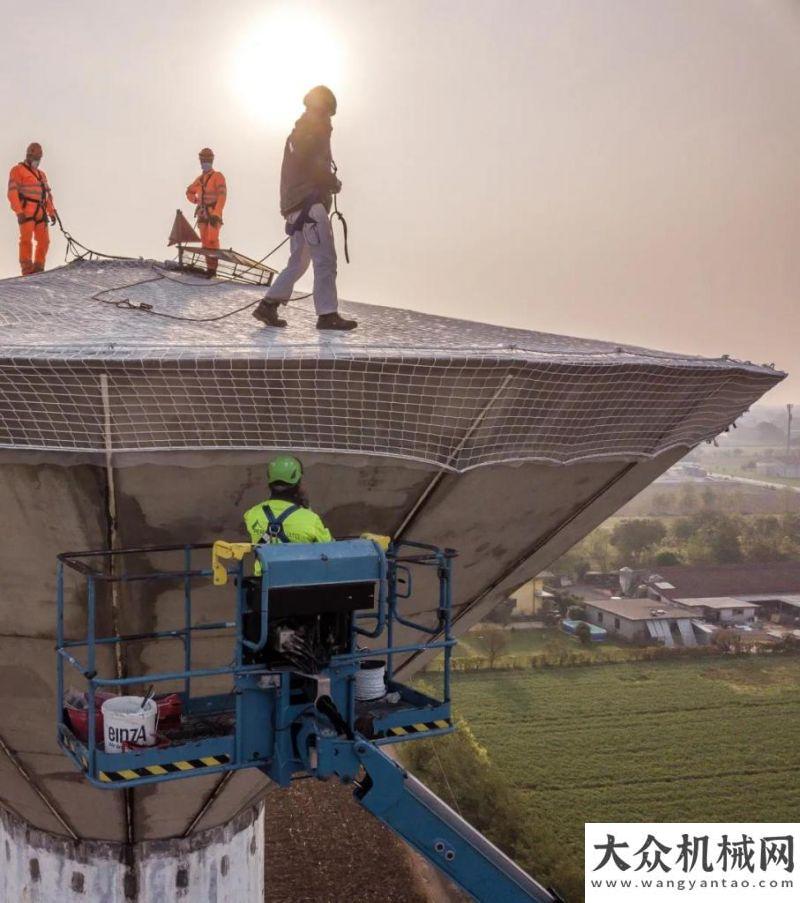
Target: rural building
{"points": [[529, 599], [730, 593], [640, 620]]}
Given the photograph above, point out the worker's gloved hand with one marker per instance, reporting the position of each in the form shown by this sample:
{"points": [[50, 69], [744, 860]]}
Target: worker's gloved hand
{"points": [[21, 218], [53, 220], [336, 187], [215, 220]]}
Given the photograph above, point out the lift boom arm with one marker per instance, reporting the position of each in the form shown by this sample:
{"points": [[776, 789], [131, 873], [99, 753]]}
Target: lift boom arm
{"points": [[432, 828]]}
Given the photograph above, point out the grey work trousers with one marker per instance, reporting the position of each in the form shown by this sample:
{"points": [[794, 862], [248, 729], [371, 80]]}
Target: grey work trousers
{"points": [[312, 244]]}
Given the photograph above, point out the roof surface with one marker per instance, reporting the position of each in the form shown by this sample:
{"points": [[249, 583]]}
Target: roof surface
{"points": [[73, 310], [83, 367], [638, 609], [714, 581], [717, 602]]}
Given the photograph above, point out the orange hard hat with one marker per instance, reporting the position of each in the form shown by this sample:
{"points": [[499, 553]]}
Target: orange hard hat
{"points": [[206, 154], [34, 150]]}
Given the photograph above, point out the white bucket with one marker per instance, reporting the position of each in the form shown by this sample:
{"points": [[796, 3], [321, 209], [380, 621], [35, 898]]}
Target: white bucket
{"points": [[371, 680], [125, 721]]}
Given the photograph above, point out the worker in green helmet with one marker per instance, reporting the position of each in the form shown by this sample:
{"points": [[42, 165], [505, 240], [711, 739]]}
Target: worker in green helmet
{"points": [[285, 516]]}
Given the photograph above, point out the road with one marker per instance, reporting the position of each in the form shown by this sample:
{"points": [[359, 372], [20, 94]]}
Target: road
{"points": [[749, 482]]}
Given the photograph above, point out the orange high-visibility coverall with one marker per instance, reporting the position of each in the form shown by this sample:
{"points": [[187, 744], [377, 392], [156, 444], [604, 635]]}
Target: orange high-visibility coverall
{"points": [[31, 199], [209, 192]]}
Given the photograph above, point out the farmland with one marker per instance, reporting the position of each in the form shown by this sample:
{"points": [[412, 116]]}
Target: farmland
{"points": [[714, 740]]}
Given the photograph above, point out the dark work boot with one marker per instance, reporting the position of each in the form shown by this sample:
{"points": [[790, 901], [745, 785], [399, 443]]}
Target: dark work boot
{"points": [[334, 321], [267, 313]]}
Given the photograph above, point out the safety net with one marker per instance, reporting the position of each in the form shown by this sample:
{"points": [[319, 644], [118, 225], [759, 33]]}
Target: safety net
{"points": [[130, 356]]}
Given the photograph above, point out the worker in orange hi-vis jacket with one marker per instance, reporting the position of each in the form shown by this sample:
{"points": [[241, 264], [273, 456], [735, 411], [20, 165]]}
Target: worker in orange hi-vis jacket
{"points": [[209, 192], [32, 201]]}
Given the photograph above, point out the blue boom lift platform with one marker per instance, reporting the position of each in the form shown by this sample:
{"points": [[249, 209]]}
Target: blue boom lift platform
{"points": [[291, 710]]}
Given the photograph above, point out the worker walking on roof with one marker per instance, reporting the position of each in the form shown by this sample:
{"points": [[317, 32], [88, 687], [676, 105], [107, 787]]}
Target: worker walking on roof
{"points": [[32, 200], [308, 183], [285, 516], [209, 192]]}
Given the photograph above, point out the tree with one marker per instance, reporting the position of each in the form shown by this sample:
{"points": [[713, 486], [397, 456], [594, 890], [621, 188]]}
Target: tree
{"points": [[494, 641], [598, 548], [762, 540], [688, 500], [571, 564], [583, 633], [727, 640], [576, 613], [667, 558], [708, 498], [711, 538], [635, 537], [501, 613]]}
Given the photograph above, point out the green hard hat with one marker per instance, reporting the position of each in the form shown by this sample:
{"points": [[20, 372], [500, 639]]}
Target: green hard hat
{"points": [[284, 469]]}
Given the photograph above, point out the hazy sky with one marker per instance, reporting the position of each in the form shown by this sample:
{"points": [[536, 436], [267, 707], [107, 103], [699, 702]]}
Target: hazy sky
{"points": [[619, 169]]}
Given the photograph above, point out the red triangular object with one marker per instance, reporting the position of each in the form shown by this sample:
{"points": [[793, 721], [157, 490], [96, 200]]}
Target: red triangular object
{"points": [[182, 231]]}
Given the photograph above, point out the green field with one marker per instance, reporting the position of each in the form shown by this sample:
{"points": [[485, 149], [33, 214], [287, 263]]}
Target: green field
{"points": [[702, 741]]}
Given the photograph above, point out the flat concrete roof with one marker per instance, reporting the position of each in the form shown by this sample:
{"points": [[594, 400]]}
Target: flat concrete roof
{"points": [[137, 356], [717, 602], [638, 609]]}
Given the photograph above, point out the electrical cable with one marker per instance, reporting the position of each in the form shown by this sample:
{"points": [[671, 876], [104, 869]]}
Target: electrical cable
{"points": [[126, 304], [75, 247], [447, 781]]}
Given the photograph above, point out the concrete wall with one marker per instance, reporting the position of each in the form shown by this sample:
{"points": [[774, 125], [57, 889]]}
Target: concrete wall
{"points": [[737, 615], [508, 523], [223, 865], [628, 629]]}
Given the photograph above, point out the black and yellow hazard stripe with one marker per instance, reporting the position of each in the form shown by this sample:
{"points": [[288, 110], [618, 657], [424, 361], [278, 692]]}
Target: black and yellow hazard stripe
{"points": [[71, 745], [420, 728], [131, 774]]}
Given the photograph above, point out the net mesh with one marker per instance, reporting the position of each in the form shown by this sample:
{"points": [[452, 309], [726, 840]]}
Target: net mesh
{"points": [[81, 370]]}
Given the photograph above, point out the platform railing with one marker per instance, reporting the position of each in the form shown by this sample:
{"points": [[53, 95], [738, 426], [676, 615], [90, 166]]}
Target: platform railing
{"points": [[401, 558]]}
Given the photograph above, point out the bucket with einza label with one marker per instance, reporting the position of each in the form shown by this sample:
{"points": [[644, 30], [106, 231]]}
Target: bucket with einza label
{"points": [[126, 722]]}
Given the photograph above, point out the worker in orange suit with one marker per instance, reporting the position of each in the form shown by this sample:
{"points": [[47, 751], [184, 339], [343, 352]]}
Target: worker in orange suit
{"points": [[31, 199], [209, 192]]}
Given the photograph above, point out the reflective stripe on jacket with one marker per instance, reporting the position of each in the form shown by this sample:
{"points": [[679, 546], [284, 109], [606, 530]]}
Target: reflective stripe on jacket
{"points": [[301, 526], [29, 192], [209, 191]]}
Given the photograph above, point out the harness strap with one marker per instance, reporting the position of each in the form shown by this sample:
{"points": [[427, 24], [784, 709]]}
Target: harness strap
{"points": [[41, 202], [275, 531], [204, 203], [305, 215]]}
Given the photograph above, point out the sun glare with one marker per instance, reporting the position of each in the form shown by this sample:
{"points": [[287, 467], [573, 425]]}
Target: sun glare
{"points": [[279, 59]]}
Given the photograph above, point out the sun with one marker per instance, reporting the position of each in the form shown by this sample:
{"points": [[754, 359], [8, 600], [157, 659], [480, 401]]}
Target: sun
{"points": [[279, 59]]}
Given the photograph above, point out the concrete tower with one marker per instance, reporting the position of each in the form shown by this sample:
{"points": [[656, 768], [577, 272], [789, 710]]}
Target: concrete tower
{"points": [[124, 426]]}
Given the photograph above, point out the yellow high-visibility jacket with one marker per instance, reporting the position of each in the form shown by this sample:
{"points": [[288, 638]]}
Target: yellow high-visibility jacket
{"points": [[301, 525]]}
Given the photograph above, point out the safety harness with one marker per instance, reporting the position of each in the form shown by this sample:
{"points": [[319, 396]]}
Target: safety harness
{"points": [[304, 217], [41, 203], [202, 208], [275, 532]]}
